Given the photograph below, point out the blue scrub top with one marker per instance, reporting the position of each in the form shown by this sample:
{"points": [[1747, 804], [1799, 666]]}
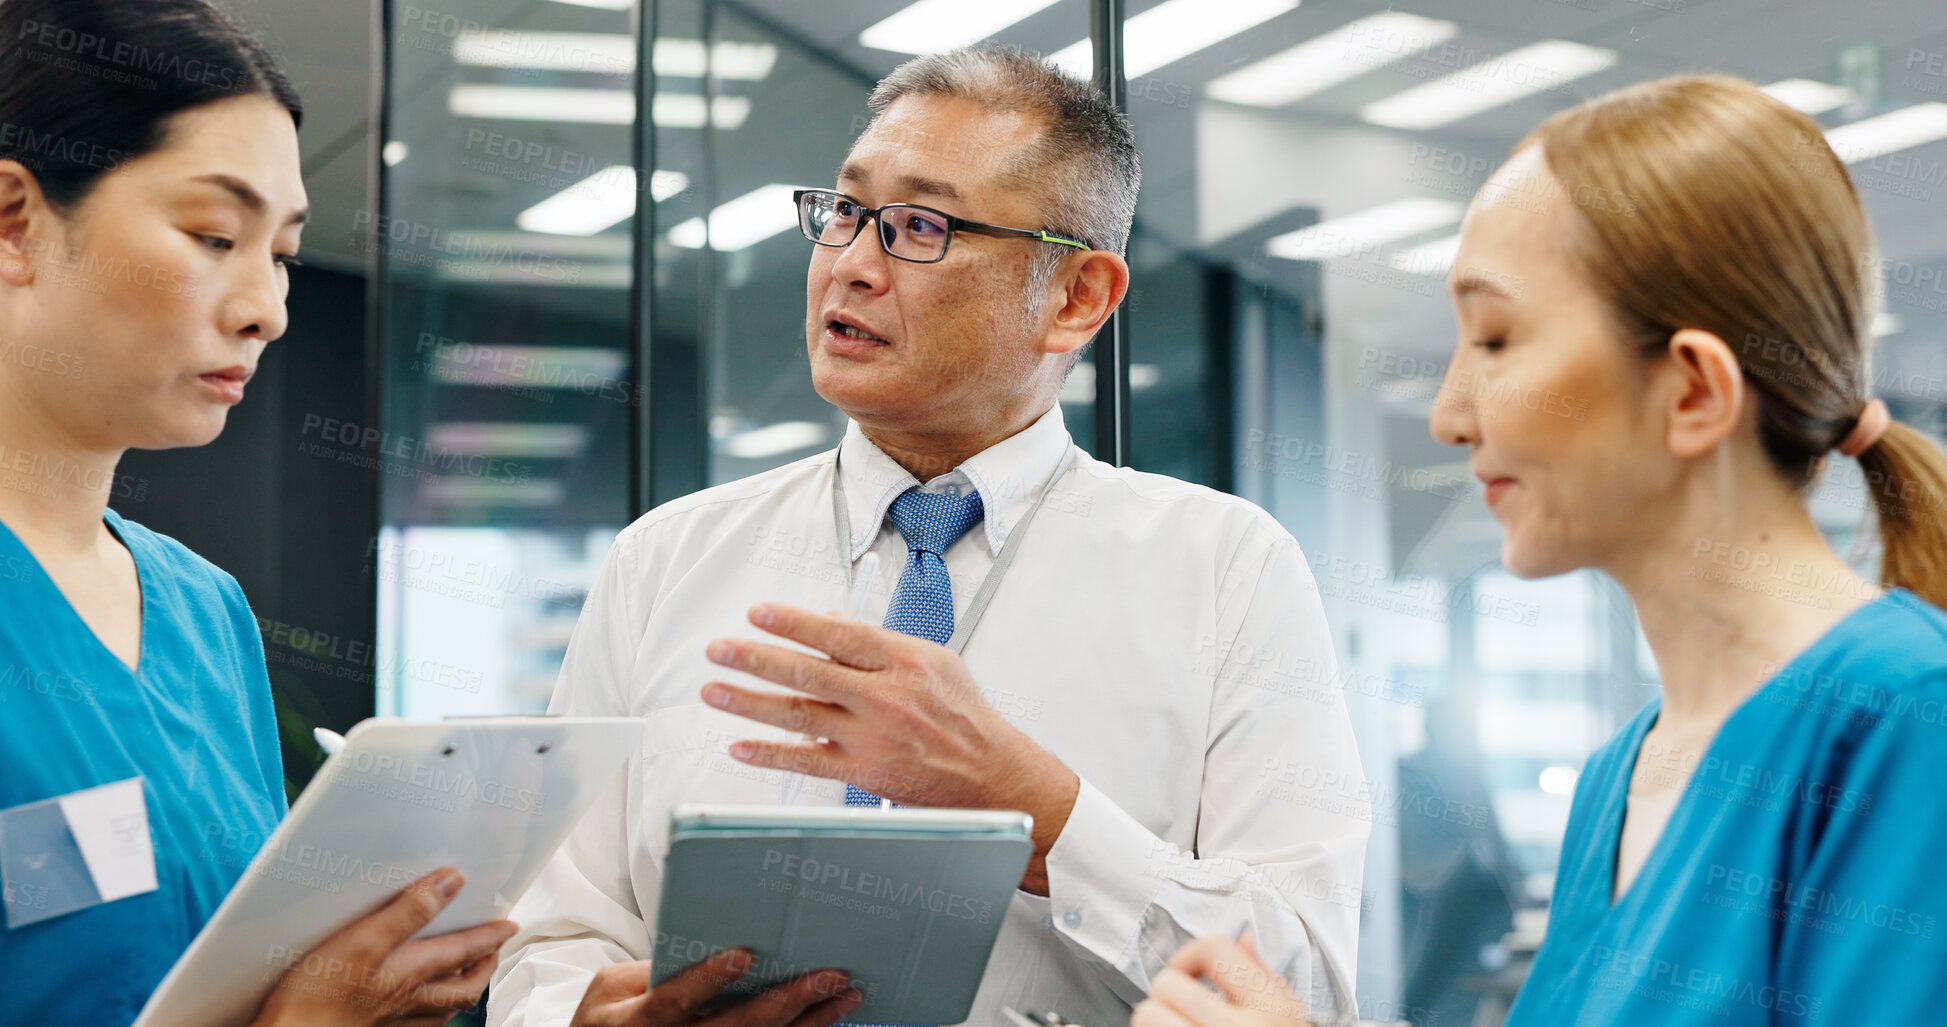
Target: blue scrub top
{"points": [[1799, 878], [194, 720]]}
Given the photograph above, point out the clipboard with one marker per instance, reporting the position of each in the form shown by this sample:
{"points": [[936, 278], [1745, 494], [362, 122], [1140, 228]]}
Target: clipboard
{"points": [[907, 901], [493, 796]]}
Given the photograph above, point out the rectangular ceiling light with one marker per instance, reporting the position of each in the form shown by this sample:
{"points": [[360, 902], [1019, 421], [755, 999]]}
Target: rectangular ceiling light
{"points": [[537, 103], [606, 5], [745, 221], [1172, 31], [1876, 137], [462, 490], [931, 26], [1432, 258], [592, 106], [597, 202], [776, 439], [727, 59], [588, 369], [1807, 96], [510, 438], [1544, 66], [685, 110], [605, 53], [610, 53], [1337, 56], [1359, 234]]}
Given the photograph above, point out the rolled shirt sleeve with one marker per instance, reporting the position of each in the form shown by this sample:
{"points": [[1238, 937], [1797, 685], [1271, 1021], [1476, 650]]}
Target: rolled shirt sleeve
{"points": [[1284, 817]]}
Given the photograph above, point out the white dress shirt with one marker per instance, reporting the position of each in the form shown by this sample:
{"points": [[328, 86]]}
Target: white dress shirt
{"points": [[1164, 640]]}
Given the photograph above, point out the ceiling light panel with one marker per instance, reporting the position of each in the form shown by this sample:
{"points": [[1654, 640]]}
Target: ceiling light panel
{"points": [[932, 26], [609, 53], [1361, 234], [776, 439], [1810, 97], [603, 53], [1903, 129], [1337, 56], [593, 106], [538, 103], [743, 222], [1172, 31], [1547, 66], [601, 200]]}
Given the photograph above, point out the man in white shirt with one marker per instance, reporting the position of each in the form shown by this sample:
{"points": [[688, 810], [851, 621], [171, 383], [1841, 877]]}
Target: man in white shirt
{"points": [[1137, 662]]}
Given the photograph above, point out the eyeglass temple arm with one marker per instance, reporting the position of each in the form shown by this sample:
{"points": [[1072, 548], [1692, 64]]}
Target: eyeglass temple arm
{"points": [[981, 228]]}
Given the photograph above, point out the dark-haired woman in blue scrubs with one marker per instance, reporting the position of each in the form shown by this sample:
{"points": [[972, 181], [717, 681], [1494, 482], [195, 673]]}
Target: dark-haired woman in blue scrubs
{"points": [[148, 216]]}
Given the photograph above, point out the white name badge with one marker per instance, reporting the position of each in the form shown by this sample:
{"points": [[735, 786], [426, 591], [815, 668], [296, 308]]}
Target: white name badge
{"points": [[110, 824], [74, 851]]}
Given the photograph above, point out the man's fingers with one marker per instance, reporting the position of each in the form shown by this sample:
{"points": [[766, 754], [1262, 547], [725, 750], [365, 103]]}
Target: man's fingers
{"points": [[790, 711], [812, 759], [827, 679], [1184, 994], [781, 1005], [828, 1012], [675, 1000], [847, 641], [1152, 1013], [1237, 972], [619, 981], [1211, 954]]}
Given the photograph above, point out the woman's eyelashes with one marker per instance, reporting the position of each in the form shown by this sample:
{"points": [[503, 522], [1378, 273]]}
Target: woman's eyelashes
{"points": [[224, 244]]}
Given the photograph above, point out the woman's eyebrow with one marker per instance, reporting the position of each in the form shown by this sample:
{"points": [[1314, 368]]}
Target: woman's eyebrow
{"points": [[1470, 281], [251, 199]]}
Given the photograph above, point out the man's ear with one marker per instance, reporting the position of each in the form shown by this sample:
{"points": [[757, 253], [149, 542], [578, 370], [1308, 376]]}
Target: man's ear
{"points": [[1706, 393], [1083, 296], [22, 208]]}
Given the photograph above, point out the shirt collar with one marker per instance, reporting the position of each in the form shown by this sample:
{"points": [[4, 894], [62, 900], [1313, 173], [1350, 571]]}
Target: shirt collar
{"points": [[1007, 475]]}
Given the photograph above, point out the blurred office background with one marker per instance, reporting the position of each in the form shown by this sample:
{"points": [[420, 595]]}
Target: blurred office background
{"points": [[553, 279]]}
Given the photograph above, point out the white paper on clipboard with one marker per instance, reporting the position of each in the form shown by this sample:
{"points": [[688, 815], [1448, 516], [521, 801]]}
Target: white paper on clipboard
{"points": [[492, 796]]}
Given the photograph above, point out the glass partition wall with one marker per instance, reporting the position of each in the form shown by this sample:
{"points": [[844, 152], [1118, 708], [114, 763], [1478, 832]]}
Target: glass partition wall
{"points": [[591, 292]]}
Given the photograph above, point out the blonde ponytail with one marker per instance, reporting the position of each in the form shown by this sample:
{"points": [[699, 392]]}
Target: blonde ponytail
{"points": [[1906, 474]]}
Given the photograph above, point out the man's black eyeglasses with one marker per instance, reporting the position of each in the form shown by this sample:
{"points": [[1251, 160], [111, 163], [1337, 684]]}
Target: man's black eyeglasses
{"points": [[906, 231]]}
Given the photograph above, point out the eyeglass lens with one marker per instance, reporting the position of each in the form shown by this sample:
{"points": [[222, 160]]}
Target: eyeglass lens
{"points": [[907, 232]]}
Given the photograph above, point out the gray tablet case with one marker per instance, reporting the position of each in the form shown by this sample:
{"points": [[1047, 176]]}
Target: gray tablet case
{"points": [[908, 902]]}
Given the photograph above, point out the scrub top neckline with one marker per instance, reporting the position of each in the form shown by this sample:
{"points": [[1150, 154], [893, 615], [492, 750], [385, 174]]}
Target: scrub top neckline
{"points": [[110, 520], [1617, 805]]}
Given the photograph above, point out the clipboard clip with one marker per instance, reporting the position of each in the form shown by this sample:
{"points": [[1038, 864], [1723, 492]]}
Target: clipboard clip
{"points": [[1048, 1019]]}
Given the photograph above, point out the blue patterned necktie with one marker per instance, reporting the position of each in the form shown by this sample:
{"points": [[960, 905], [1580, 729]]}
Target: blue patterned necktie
{"points": [[922, 603]]}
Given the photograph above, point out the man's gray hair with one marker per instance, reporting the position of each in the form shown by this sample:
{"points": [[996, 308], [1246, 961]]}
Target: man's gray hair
{"points": [[1084, 163]]}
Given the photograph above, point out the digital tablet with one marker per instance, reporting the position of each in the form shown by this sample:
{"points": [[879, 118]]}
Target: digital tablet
{"points": [[907, 901], [493, 796]]}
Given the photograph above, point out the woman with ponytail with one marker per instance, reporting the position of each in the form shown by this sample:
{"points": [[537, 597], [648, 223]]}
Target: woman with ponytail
{"points": [[1683, 271]]}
